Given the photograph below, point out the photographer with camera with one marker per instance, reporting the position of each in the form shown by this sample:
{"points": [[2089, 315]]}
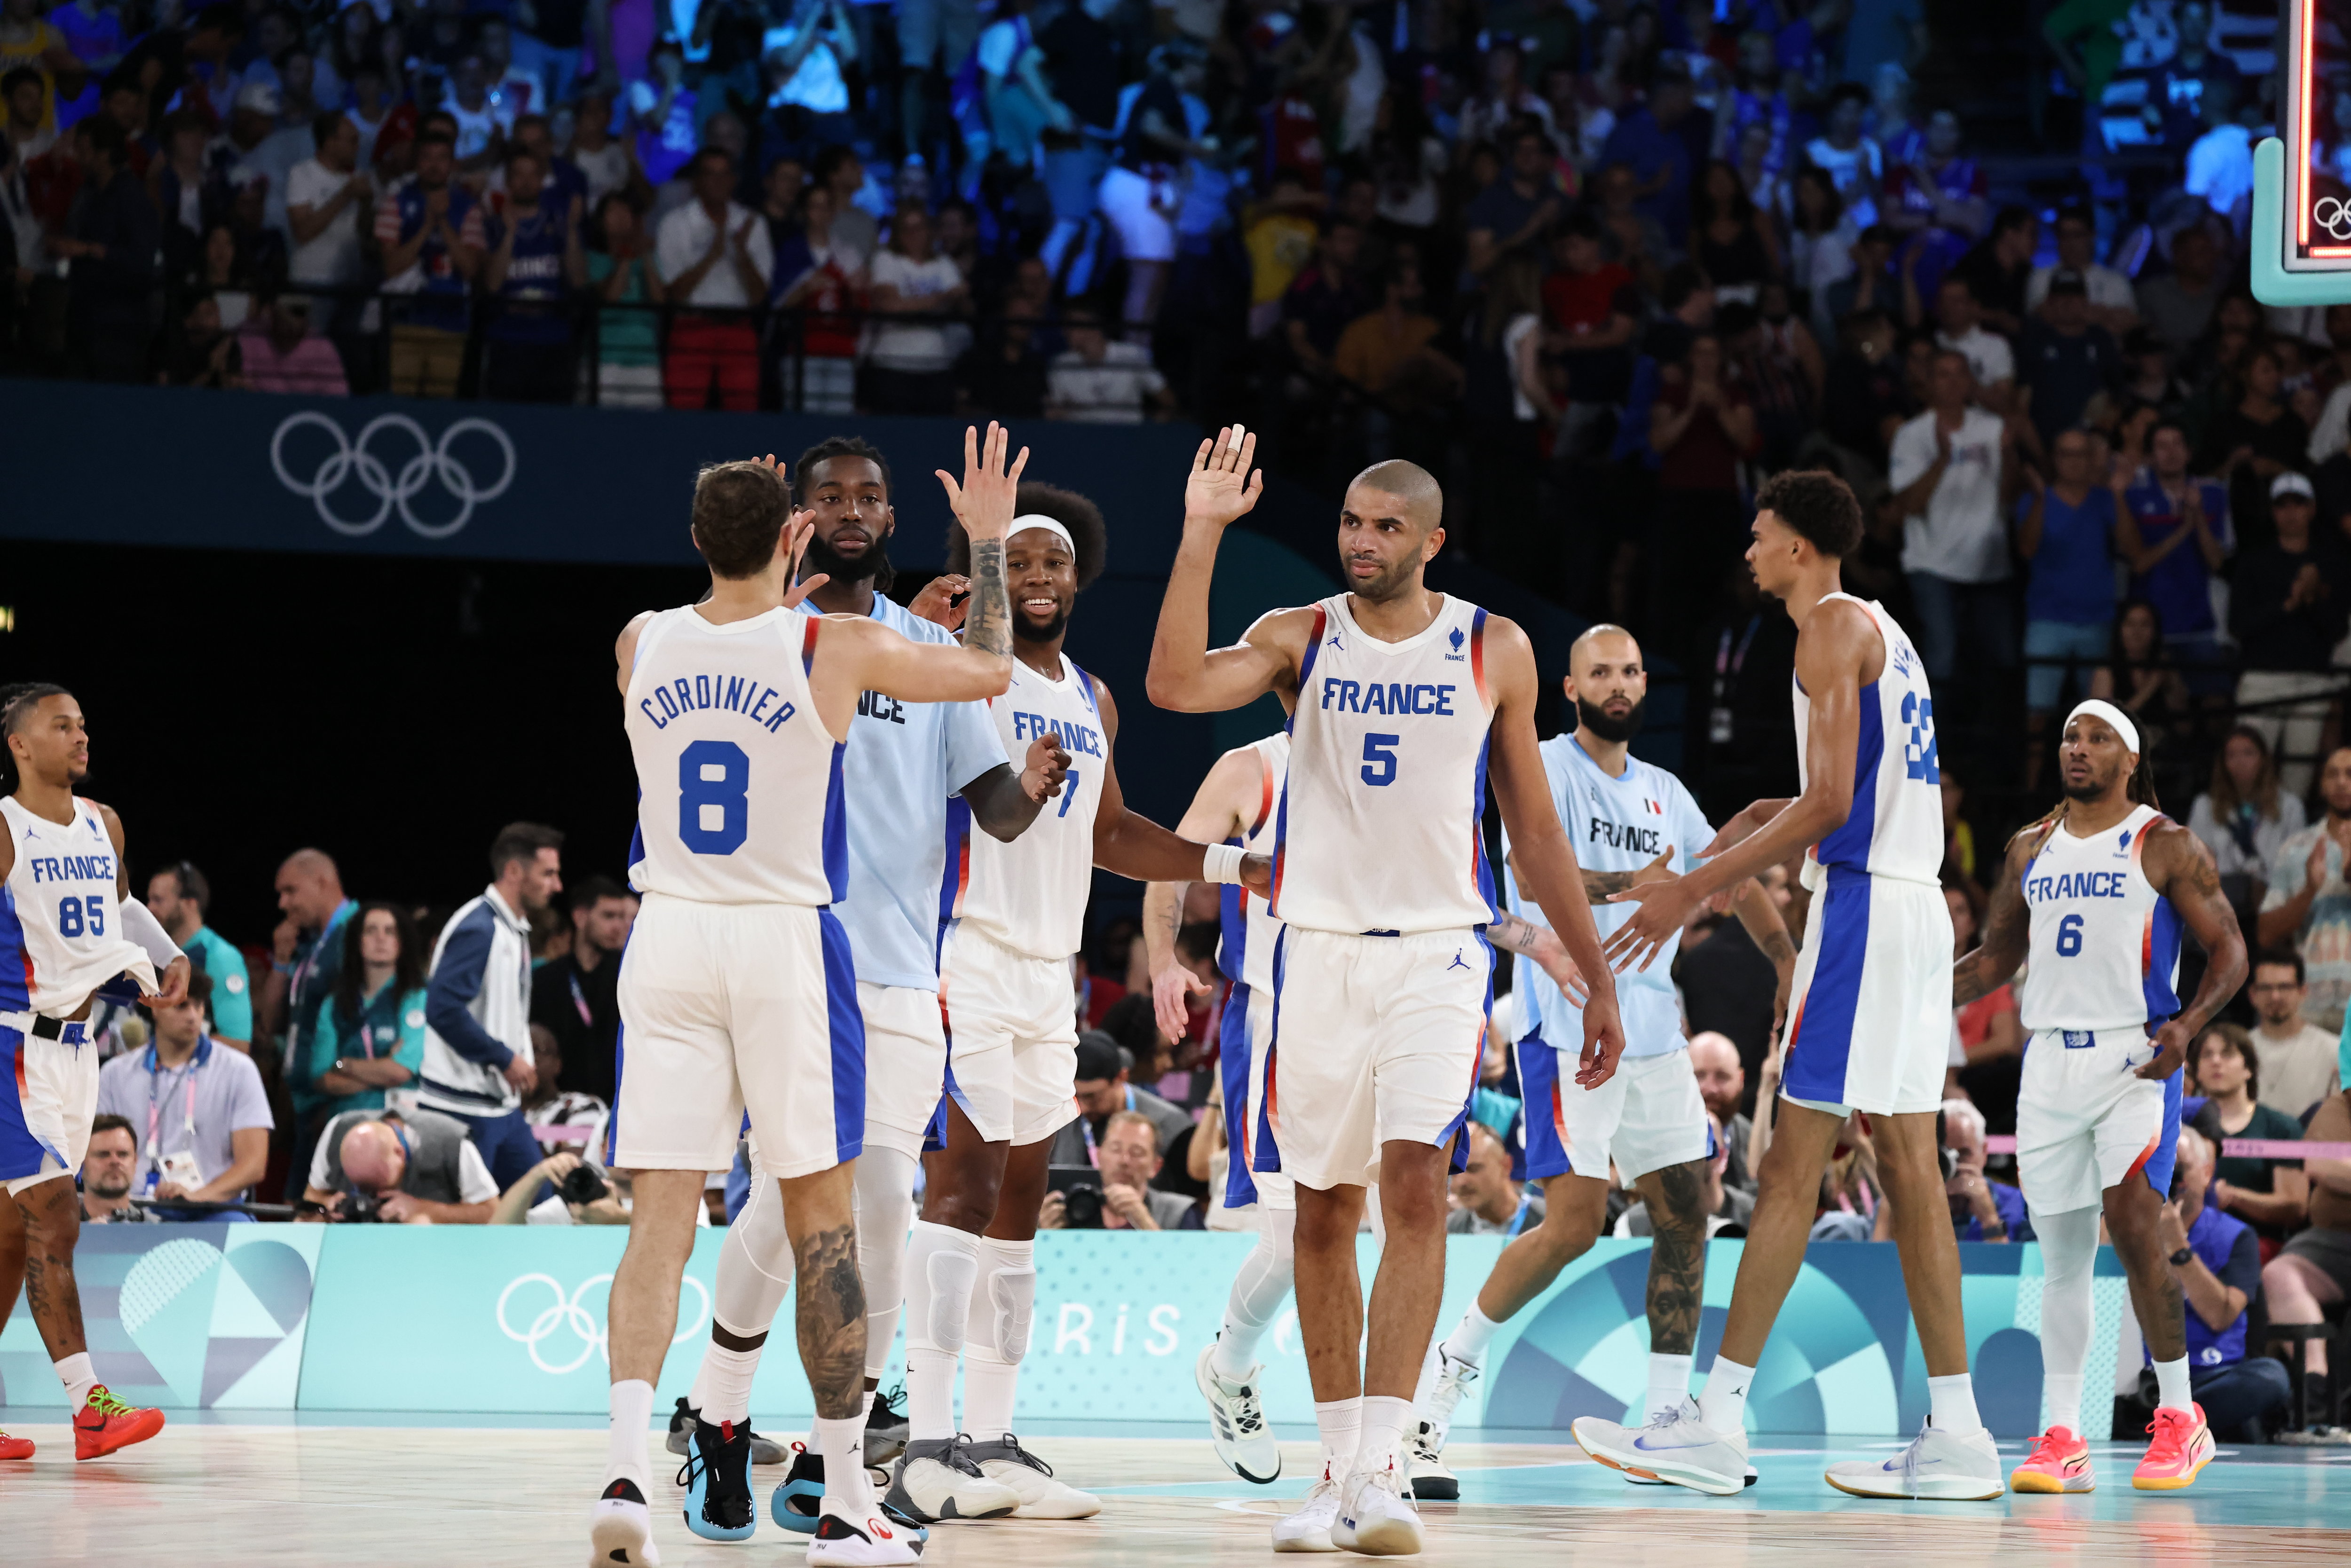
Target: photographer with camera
{"points": [[1127, 1159], [582, 1196], [416, 1168], [198, 1110]]}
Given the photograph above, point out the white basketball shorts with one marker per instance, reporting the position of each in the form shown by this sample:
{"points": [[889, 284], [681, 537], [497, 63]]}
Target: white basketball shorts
{"points": [[49, 1096], [1240, 1063], [729, 1008], [2085, 1121], [905, 1064], [1012, 1036], [1649, 1115], [1869, 1016], [1374, 1039]]}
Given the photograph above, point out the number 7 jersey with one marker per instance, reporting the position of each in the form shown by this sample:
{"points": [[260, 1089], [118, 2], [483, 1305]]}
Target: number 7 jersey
{"points": [[1380, 831], [739, 781], [1031, 895]]}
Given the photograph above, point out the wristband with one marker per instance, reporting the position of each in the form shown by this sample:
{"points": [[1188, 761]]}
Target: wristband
{"points": [[2180, 1260], [1220, 862]]}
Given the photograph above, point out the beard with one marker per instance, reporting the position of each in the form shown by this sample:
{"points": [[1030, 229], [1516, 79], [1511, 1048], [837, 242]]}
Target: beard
{"points": [[2089, 789], [1026, 630], [1599, 722], [822, 557], [98, 1188]]}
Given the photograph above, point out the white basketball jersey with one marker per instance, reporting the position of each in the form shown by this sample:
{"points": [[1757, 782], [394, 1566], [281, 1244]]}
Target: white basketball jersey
{"points": [[2105, 948], [1031, 895], [61, 926], [739, 781], [1245, 933], [1895, 829], [1379, 826]]}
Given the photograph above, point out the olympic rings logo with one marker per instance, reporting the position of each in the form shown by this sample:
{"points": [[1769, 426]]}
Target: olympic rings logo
{"points": [[567, 1313], [351, 461], [2334, 214]]}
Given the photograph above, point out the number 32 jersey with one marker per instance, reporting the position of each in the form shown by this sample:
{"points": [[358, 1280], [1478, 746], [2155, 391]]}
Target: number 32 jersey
{"points": [[1380, 825], [1895, 826], [732, 763]]}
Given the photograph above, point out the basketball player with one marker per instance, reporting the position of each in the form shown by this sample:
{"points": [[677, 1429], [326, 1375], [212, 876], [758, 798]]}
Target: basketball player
{"points": [[67, 926], [903, 761], [1871, 1019], [1236, 803], [1398, 697], [1630, 821], [737, 990], [1015, 916], [2095, 894]]}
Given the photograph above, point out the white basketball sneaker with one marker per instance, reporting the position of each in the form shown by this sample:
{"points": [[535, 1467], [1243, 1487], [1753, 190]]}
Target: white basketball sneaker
{"points": [[936, 1481], [1453, 1377], [1688, 1412], [1007, 1463], [870, 1541], [1237, 1421], [1431, 1480], [1374, 1517], [1939, 1464], [1675, 1447], [1309, 1530], [621, 1529]]}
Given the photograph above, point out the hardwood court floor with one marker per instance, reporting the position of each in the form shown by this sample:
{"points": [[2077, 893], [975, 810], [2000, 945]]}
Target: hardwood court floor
{"points": [[260, 1495]]}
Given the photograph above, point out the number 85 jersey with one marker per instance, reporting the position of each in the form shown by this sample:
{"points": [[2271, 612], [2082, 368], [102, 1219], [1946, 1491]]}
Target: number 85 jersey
{"points": [[739, 781]]}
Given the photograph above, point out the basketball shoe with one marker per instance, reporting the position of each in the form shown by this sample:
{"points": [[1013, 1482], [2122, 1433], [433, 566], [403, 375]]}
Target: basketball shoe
{"points": [[1375, 1519], [1675, 1447], [2060, 1462], [938, 1478], [1309, 1530], [15, 1447], [885, 1426], [1006, 1462], [799, 1504], [621, 1529], [2182, 1447], [1688, 1412], [1454, 1376], [872, 1541], [1431, 1480], [1237, 1421], [104, 1423], [717, 1480], [763, 1450], [1939, 1464]]}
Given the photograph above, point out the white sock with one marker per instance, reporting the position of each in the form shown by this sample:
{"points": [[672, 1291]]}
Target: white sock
{"points": [[76, 1372], [632, 1410], [1668, 1382], [941, 1262], [723, 1391], [2068, 1251], [1385, 1422], [1723, 1405], [2171, 1381], [1340, 1424], [848, 1489], [1259, 1289], [2063, 1396], [1952, 1403], [1469, 1338], [885, 1212]]}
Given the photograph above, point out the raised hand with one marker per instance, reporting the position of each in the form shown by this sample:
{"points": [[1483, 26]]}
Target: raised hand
{"points": [[984, 502], [1224, 485]]}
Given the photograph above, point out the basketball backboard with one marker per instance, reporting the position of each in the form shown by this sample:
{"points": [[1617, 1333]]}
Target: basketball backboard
{"points": [[2300, 235]]}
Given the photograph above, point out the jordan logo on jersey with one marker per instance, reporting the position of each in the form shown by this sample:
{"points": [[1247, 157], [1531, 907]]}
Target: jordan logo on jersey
{"points": [[1457, 963]]}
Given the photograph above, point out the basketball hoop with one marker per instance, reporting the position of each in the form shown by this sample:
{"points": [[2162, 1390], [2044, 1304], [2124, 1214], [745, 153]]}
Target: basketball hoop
{"points": [[2302, 180]]}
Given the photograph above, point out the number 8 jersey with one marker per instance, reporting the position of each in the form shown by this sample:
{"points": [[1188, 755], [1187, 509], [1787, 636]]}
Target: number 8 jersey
{"points": [[1380, 828], [739, 781]]}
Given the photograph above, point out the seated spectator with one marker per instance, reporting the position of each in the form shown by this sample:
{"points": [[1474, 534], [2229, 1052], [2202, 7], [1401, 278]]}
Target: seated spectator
{"points": [[199, 351], [2244, 818], [2174, 533], [1485, 1200], [1722, 1084], [2296, 1060], [1129, 1160], [1103, 1091], [1728, 1208], [2272, 1195], [428, 1172], [109, 1169], [625, 282], [1982, 1210], [2217, 1284], [2112, 304], [533, 259], [2313, 1271], [910, 369], [206, 1116], [370, 1037], [1324, 298], [576, 998], [1097, 381], [715, 260], [1852, 1206], [2066, 532], [280, 355], [537, 1196], [2287, 606], [1386, 354]]}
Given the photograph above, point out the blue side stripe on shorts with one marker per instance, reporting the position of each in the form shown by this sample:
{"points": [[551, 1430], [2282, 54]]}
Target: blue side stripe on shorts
{"points": [[1539, 1078], [1822, 1043], [612, 1117], [1233, 1067], [846, 1022], [1268, 1156], [1460, 1145]]}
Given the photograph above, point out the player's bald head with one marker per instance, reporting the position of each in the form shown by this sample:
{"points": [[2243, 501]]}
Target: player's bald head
{"points": [[1605, 640], [1413, 491]]}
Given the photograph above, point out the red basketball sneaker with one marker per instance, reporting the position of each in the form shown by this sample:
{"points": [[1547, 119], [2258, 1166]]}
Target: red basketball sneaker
{"points": [[15, 1447], [104, 1423]]}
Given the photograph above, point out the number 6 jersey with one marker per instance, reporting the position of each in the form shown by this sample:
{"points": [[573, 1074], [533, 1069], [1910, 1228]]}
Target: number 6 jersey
{"points": [[739, 781], [2104, 951], [1380, 824]]}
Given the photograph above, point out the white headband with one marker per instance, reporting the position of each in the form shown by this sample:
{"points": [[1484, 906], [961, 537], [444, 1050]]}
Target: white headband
{"points": [[2114, 716], [1038, 520]]}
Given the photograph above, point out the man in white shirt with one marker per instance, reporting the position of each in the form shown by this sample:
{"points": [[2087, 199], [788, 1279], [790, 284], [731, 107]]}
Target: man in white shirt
{"points": [[1097, 381], [2221, 163], [327, 196], [2112, 304], [2299, 1064], [1950, 467], [1960, 320], [713, 254]]}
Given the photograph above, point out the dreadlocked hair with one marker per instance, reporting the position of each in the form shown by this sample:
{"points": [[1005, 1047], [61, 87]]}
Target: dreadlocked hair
{"points": [[2139, 790], [832, 446]]}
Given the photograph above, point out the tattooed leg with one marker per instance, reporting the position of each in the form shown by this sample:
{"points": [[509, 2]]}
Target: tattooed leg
{"points": [[1677, 1200], [51, 1217], [830, 1314]]}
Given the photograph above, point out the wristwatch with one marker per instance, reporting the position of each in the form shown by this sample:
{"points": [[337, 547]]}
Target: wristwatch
{"points": [[2180, 1260]]}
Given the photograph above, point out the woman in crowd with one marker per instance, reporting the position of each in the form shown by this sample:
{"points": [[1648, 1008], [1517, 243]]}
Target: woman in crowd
{"points": [[908, 370], [1822, 233], [2244, 817], [1701, 427], [2137, 680], [2252, 442], [371, 1032], [824, 278], [2271, 1195], [621, 273], [1731, 241]]}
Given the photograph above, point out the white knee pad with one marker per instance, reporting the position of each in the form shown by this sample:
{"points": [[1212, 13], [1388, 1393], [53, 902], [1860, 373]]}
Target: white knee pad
{"points": [[755, 1262], [1012, 1290]]}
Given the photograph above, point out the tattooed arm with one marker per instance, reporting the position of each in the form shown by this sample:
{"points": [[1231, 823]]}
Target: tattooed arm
{"points": [[1760, 914], [1600, 886], [1543, 945], [2181, 869]]}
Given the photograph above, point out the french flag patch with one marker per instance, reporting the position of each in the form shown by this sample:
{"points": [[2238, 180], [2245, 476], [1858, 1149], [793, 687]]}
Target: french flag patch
{"points": [[1654, 809]]}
